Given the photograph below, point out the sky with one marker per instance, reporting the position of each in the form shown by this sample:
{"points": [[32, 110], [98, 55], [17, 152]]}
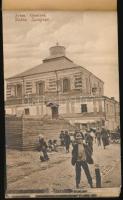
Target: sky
{"points": [[90, 39]]}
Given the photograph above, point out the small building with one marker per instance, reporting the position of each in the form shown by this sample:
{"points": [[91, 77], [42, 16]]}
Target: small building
{"points": [[59, 87]]}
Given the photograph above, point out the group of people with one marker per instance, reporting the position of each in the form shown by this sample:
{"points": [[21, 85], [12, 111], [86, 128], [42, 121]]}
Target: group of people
{"points": [[44, 147], [82, 148], [52, 145], [65, 140], [89, 135], [102, 135]]}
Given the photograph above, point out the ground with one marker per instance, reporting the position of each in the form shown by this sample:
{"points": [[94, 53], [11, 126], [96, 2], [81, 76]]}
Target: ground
{"points": [[25, 171]]}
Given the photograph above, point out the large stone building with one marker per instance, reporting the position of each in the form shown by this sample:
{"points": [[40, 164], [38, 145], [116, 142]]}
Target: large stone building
{"points": [[59, 87]]}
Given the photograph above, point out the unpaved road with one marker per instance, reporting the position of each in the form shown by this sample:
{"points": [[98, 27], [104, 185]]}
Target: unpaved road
{"points": [[26, 172]]}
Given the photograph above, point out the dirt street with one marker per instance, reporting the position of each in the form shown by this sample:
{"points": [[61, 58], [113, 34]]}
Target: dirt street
{"points": [[26, 172]]}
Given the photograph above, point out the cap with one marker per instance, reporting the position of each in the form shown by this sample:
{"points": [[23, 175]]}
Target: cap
{"points": [[78, 136]]}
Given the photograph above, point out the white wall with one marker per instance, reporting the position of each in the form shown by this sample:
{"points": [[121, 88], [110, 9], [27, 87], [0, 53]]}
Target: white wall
{"points": [[62, 108]]}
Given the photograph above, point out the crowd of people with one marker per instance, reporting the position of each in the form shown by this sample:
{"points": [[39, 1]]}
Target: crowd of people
{"points": [[82, 148], [66, 138], [90, 135]]}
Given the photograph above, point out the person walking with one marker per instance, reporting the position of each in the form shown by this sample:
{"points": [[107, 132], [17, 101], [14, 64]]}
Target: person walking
{"points": [[67, 141], [98, 136], [81, 156], [105, 138]]}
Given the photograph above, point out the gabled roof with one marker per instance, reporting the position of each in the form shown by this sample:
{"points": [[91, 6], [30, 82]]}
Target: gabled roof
{"points": [[54, 64], [51, 65]]}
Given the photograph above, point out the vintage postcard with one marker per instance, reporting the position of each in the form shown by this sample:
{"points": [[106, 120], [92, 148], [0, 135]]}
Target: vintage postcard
{"points": [[62, 121]]}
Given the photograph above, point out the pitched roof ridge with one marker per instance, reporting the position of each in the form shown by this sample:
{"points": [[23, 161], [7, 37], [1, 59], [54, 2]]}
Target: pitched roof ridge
{"points": [[39, 65]]}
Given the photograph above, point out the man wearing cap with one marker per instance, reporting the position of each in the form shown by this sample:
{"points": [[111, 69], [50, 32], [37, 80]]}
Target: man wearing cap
{"points": [[79, 159]]}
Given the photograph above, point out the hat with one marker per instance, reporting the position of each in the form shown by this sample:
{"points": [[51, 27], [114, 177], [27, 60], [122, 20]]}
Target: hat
{"points": [[78, 136]]}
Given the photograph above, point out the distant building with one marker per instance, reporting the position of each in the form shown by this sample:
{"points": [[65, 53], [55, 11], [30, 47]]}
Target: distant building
{"points": [[59, 87]]}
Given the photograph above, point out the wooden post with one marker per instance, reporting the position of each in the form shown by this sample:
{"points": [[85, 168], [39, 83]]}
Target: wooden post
{"points": [[98, 176]]}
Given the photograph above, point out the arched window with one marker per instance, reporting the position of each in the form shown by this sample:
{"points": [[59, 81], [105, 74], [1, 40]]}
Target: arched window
{"points": [[66, 85]]}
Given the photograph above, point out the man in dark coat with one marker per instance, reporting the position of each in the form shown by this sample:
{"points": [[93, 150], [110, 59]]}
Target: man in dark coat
{"points": [[67, 141], [89, 140], [98, 136], [105, 138], [81, 154], [62, 138]]}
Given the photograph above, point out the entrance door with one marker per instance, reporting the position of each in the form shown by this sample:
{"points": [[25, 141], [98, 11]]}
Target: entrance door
{"points": [[54, 112]]}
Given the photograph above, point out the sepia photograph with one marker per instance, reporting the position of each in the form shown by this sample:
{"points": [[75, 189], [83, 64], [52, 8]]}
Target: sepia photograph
{"points": [[62, 111]]}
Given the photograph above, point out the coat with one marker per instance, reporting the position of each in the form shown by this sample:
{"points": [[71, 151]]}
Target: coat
{"points": [[88, 153], [43, 145], [105, 138], [67, 139]]}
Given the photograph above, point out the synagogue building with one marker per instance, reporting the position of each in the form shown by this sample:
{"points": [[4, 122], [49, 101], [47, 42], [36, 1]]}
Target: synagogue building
{"points": [[60, 88]]}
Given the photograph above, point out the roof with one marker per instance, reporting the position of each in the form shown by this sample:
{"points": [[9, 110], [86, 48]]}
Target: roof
{"points": [[51, 65], [55, 64]]}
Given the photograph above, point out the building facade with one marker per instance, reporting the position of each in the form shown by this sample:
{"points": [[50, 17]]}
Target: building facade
{"points": [[59, 87]]}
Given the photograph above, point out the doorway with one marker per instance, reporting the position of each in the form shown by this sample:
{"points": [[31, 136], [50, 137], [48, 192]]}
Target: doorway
{"points": [[54, 112]]}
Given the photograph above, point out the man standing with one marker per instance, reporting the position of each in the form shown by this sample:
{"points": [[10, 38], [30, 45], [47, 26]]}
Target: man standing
{"points": [[105, 138], [62, 138], [79, 159], [98, 136], [89, 140], [67, 141]]}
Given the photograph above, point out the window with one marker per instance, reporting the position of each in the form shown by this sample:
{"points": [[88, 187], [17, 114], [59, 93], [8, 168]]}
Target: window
{"points": [[83, 108], [40, 88], [26, 111], [66, 85], [94, 89], [11, 91], [19, 90]]}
